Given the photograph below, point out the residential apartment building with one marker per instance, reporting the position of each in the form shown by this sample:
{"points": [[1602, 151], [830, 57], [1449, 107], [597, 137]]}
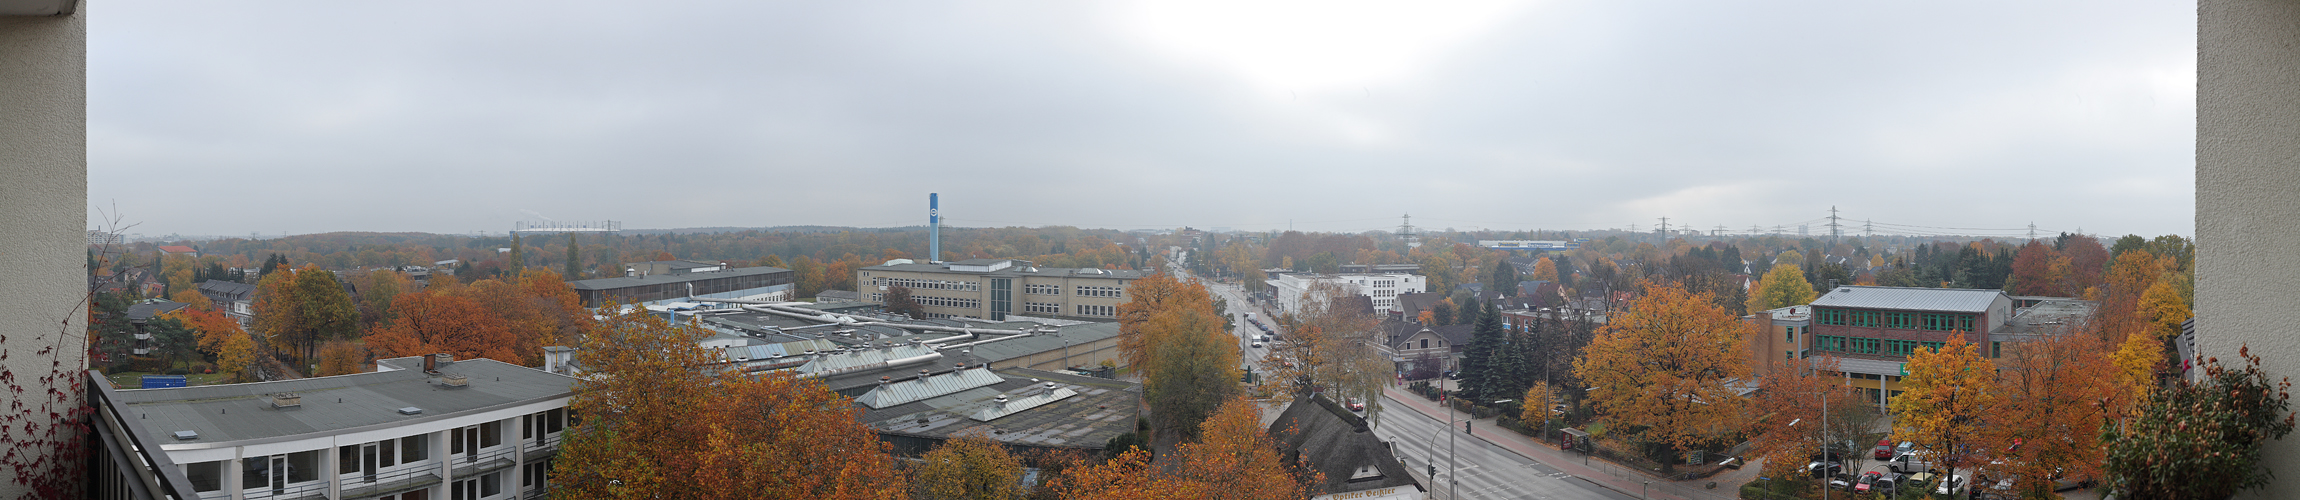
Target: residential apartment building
{"points": [[237, 300], [1384, 289], [420, 428], [992, 289]]}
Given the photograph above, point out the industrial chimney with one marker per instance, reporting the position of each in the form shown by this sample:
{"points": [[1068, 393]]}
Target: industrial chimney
{"points": [[933, 227]]}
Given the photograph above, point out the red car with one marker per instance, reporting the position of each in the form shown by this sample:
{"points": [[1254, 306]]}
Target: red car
{"points": [[1867, 480], [1884, 450]]}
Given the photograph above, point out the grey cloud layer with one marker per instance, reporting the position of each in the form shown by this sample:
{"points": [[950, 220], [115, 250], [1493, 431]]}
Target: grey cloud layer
{"points": [[453, 118]]}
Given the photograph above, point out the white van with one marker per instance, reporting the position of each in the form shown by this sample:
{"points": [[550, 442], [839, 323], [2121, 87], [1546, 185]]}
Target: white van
{"points": [[1908, 463]]}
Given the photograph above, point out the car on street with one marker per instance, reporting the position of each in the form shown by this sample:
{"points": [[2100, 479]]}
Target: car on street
{"points": [[1257, 344], [1883, 451], [1356, 405], [1867, 482]]}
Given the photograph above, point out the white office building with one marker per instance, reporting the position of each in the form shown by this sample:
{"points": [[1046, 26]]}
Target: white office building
{"points": [[1382, 288]]}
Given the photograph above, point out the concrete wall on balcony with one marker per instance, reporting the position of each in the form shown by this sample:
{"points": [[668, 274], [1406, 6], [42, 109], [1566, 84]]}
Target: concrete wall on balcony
{"points": [[2248, 192], [44, 201]]}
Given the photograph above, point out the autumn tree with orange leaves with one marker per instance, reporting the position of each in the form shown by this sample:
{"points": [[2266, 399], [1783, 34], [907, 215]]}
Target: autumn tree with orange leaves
{"points": [[505, 321], [221, 337], [1235, 459], [654, 426], [1789, 402], [2053, 398], [1662, 365]]}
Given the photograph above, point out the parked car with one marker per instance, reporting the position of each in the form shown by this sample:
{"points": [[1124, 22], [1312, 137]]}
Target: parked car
{"points": [[1919, 481], [1890, 485], [1868, 482], [1954, 485], [1883, 451], [1908, 463], [1731, 462], [1257, 344], [1905, 447], [1819, 469], [1841, 482], [1355, 405]]}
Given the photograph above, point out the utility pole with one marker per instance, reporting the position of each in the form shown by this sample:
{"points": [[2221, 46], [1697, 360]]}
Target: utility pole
{"points": [[1719, 232], [1833, 232], [2032, 230], [1664, 227]]}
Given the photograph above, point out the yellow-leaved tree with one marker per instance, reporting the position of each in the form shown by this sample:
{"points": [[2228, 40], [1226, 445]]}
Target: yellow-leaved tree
{"points": [[1945, 399], [1783, 286], [2162, 309], [1544, 270], [1662, 364], [970, 468], [1169, 333]]}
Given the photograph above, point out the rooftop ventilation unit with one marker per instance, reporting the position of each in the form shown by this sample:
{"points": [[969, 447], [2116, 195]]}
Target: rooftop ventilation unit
{"points": [[411, 411], [455, 380], [287, 400], [187, 435]]}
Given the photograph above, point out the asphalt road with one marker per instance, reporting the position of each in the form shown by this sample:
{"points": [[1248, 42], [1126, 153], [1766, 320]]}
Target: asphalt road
{"points": [[1486, 472]]}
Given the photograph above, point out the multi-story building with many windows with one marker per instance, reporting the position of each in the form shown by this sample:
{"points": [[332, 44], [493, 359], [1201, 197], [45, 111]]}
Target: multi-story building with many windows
{"points": [[1384, 289], [418, 429], [1871, 330], [991, 289]]}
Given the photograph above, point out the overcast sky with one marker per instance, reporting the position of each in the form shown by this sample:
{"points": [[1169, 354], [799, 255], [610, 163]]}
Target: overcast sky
{"points": [[300, 117]]}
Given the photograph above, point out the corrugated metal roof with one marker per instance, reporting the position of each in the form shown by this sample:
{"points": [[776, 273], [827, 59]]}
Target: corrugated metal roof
{"points": [[1909, 299], [864, 358], [934, 386], [772, 351], [1021, 404]]}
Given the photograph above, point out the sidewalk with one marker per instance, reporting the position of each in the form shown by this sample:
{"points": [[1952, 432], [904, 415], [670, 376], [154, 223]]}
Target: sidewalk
{"points": [[1599, 472]]}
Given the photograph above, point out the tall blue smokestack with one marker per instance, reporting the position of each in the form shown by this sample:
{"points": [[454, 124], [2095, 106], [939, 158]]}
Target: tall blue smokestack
{"points": [[933, 227]]}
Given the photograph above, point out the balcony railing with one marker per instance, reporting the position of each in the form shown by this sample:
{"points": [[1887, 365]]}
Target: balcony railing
{"points": [[486, 460], [550, 443], [393, 482]]}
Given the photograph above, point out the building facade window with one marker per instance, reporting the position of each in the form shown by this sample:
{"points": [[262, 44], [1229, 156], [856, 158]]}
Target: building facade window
{"points": [[925, 300], [1101, 291], [1041, 308], [1042, 289], [1097, 310], [1834, 317], [925, 284]]}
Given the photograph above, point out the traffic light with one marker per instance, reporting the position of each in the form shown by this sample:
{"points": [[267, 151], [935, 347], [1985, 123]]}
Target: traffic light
{"points": [[1433, 470], [1465, 426]]}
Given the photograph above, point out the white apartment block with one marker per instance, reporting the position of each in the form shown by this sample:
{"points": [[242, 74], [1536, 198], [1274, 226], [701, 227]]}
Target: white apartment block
{"points": [[421, 428], [1382, 288]]}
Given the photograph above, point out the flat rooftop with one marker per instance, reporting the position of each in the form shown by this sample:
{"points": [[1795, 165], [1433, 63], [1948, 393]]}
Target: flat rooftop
{"points": [[1093, 411], [658, 279], [1909, 299], [240, 412]]}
